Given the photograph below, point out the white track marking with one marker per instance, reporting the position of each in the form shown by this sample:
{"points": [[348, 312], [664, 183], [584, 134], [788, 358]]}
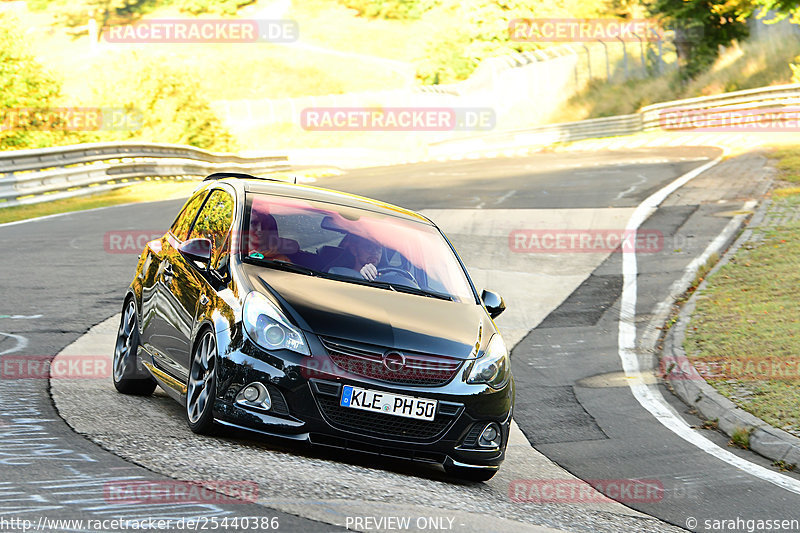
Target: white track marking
{"points": [[642, 179], [649, 396], [22, 342]]}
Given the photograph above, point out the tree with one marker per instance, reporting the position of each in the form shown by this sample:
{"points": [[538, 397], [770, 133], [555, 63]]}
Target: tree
{"points": [[171, 105], [24, 87], [781, 8], [75, 13], [701, 26]]}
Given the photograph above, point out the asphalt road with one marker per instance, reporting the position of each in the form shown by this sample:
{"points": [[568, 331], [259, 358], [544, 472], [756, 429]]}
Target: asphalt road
{"points": [[59, 279]]}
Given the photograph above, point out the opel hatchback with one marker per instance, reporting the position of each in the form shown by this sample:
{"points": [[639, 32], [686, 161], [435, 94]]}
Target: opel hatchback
{"points": [[313, 315]]}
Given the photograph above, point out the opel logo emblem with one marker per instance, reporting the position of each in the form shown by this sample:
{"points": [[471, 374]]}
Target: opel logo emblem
{"points": [[394, 361]]}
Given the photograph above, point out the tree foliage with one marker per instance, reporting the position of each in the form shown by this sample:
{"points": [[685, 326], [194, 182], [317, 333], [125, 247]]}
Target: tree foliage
{"points": [[171, 105], [221, 7], [390, 9], [24, 86], [74, 13], [465, 32], [107, 13], [702, 26], [782, 8]]}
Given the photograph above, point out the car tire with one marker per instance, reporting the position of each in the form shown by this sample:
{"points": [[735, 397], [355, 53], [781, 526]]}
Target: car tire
{"points": [[201, 389], [123, 371], [470, 474]]}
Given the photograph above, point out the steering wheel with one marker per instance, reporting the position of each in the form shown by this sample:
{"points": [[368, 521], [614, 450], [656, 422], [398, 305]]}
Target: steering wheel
{"points": [[401, 271]]}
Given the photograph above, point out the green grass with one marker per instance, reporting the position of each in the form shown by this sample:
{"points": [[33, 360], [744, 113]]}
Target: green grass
{"points": [[740, 439], [788, 162], [750, 313]]}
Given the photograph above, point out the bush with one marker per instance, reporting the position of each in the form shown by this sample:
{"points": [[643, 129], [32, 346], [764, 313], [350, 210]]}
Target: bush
{"points": [[390, 9], [795, 70], [221, 7], [24, 84], [167, 98], [174, 111]]}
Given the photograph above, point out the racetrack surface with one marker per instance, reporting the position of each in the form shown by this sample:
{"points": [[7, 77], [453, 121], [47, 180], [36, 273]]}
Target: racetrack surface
{"points": [[572, 405]]}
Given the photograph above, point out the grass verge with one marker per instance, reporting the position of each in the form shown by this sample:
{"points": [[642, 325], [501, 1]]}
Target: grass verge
{"points": [[744, 336]]}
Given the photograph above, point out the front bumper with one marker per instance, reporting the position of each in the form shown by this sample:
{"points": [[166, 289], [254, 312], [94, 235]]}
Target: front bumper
{"points": [[306, 408]]}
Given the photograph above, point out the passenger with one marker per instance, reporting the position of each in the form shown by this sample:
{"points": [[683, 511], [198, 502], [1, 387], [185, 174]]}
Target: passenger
{"points": [[264, 238]]}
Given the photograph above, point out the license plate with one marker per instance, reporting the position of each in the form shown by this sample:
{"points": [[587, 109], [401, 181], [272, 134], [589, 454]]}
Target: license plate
{"points": [[391, 404]]}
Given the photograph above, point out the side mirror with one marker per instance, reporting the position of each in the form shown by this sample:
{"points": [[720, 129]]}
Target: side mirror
{"points": [[493, 302], [197, 250]]}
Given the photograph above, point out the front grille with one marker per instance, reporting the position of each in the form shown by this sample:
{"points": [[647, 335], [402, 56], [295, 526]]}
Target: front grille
{"points": [[367, 360], [380, 424]]}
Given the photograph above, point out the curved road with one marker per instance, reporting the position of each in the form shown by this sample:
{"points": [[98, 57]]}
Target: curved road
{"points": [[574, 406]]}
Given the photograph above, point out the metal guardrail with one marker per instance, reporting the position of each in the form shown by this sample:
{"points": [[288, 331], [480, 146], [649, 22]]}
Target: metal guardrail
{"points": [[30, 176], [750, 99], [649, 118], [33, 176]]}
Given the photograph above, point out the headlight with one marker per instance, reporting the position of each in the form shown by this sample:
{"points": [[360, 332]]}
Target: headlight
{"points": [[267, 327], [492, 367]]}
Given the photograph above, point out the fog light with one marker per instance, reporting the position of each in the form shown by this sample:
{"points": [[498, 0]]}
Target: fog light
{"points": [[490, 436], [250, 393], [255, 395]]}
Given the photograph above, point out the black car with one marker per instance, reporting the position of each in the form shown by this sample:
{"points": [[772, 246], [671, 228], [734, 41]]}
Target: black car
{"points": [[323, 317]]}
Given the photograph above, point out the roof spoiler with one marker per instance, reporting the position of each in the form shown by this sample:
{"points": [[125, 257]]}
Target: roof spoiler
{"points": [[240, 175]]}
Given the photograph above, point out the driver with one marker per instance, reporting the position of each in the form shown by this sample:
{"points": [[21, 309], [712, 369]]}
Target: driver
{"points": [[361, 255]]}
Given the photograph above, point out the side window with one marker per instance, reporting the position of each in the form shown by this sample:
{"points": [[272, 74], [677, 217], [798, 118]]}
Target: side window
{"points": [[214, 223], [180, 228]]}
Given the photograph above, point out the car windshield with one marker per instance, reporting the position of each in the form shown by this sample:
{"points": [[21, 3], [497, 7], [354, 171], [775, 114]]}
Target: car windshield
{"points": [[353, 245]]}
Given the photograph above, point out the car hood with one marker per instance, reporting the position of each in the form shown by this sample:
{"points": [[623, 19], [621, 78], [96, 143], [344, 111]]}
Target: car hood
{"points": [[371, 315]]}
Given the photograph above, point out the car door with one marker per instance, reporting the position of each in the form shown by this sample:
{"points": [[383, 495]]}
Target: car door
{"points": [[152, 273], [185, 282]]}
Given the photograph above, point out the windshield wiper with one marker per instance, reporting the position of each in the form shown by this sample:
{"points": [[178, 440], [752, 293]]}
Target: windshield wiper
{"points": [[411, 290], [282, 265]]}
